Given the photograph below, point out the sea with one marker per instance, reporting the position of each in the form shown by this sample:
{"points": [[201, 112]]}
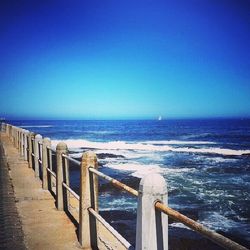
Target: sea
{"points": [[205, 162]]}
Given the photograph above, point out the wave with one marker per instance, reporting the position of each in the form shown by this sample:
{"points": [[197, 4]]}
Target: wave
{"points": [[139, 170], [144, 146], [179, 225], [36, 126], [178, 142], [217, 221], [101, 132]]}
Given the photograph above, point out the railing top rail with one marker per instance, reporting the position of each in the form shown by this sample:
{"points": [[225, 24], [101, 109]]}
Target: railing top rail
{"points": [[51, 172], [71, 159], [115, 182], [71, 191], [212, 235], [51, 149]]}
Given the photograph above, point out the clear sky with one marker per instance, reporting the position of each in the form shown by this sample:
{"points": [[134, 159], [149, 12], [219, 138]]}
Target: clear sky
{"points": [[124, 59]]}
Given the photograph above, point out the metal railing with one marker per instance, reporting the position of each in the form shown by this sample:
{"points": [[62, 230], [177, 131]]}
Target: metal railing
{"points": [[152, 210]]}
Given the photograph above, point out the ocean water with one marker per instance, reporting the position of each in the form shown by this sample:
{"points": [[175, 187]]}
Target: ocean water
{"points": [[206, 164]]}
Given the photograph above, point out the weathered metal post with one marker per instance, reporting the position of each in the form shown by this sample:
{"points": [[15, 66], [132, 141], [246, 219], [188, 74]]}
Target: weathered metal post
{"points": [[88, 198], [46, 143], [61, 148], [38, 138], [152, 225]]}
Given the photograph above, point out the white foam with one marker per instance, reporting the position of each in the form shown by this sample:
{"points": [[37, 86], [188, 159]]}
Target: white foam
{"points": [[100, 132], [177, 142], [179, 225], [76, 155], [36, 126], [138, 169], [217, 221], [121, 145], [177, 170], [131, 154], [116, 204], [221, 151], [220, 159]]}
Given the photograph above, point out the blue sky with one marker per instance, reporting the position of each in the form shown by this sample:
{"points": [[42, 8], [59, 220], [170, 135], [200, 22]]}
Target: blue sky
{"points": [[124, 59]]}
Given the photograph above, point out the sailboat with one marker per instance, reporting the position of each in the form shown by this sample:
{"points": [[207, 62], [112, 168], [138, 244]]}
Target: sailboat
{"points": [[159, 118]]}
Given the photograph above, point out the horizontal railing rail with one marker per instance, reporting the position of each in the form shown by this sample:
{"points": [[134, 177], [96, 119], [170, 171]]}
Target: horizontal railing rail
{"points": [[123, 241], [212, 235], [71, 159], [115, 182], [151, 232]]}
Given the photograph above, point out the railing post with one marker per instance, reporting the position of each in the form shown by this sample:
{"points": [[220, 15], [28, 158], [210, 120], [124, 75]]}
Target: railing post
{"points": [[66, 180], [61, 148], [22, 142], [2, 126], [38, 138], [151, 225], [26, 132], [46, 143], [88, 198], [30, 142], [7, 129], [15, 137], [11, 133], [51, 183]]}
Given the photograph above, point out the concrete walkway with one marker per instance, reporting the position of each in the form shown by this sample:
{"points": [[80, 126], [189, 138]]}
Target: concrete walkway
{"points": [[11, 234], [42, 225]]}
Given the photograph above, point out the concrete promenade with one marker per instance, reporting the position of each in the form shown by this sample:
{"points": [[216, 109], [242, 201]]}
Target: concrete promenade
{"points": [[39, 224]]}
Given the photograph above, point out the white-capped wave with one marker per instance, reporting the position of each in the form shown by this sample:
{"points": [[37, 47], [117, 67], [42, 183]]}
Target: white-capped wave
{"points": [[100, 132], [138, 169], [122, 145], [215, 220], [36, 126], [179, 225], [221, 160], [131, 154], [76, 155], [107, 203], [177, 142], [177, 170]]}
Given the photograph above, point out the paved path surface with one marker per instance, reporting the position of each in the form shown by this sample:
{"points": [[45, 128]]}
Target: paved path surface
{"points": [[28, 216], [11, 234]]}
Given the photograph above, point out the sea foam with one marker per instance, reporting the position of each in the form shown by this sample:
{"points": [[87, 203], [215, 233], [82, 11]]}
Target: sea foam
{"points": [[146, 146], [36, 126]]}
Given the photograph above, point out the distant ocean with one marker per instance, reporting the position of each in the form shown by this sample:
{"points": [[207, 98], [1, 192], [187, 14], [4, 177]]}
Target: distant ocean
{"points": [[206, 164]]}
